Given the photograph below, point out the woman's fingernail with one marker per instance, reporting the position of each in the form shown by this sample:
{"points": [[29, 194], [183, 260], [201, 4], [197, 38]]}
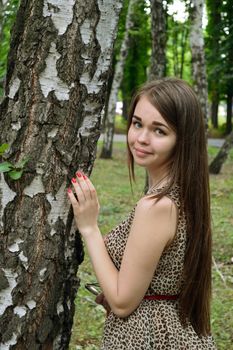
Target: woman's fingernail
{"points": [[85, 177], [79, 174], [74, 180], [69, 190]]}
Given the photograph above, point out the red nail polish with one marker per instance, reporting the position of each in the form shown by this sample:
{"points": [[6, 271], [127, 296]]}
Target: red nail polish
{"points": [[69, 190], [85, 177], [74, 180], [79, 174]]}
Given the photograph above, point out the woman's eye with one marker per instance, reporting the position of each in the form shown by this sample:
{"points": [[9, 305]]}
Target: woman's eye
{"points": [[159, 131], [137, 124]]}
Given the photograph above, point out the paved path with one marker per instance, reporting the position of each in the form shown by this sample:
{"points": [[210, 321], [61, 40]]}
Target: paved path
{"points": [[216, 142], [211, 142]]}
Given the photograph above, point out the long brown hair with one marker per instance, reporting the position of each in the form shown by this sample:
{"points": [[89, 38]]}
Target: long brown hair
{"points": [[178, 105]]}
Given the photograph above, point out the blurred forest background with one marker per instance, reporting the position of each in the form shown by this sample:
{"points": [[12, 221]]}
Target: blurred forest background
{"points": [[192, 40], [176, 19]]}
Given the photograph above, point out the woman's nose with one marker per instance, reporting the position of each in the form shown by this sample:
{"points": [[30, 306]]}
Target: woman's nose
{"points": [[143, 136]]}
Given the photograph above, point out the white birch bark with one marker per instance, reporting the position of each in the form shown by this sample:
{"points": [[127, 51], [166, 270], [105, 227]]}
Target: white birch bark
{"points": [[198, 55], [117, 79]]}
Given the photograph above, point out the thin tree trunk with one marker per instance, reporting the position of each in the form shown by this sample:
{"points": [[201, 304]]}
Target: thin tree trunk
{"points": [[214, 110], [217, 163], [55, 89], [159, 39], [175, 51], [229, 113], [214, 113], [183, 48], [198, 56], [117, 79]]}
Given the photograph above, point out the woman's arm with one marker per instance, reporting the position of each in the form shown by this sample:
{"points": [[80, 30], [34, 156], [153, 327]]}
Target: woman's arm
{"points": [[153, 227]]}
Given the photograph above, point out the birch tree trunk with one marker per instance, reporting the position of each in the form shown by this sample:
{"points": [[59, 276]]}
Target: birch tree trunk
{"points": [[159, 39], [55, 90], [184, 38], [198, 55], [117, 79]]}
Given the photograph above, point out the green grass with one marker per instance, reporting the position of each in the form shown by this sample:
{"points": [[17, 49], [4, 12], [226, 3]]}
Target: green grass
{"points": [[116, 199], [222, 218]]}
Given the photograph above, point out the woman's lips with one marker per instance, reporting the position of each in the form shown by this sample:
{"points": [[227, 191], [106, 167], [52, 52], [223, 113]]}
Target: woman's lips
{"points": [[141, 152]]}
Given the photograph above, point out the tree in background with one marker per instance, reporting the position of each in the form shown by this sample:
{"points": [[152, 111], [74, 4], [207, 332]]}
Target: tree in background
{"points": [[178, 51], [227, 57], [159, 39], [216, 165], [56, 80], [198, 55], [116, 54], [227, 84], [213, 56], [137, 62], [219, 49], [115, 86]]}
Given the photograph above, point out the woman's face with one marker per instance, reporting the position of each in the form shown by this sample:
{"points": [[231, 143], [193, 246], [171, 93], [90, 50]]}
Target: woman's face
{"points": [[151, 140]]}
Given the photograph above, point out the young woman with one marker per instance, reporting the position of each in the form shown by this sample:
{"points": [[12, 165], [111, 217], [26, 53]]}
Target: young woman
{"points": [[155, 268]]}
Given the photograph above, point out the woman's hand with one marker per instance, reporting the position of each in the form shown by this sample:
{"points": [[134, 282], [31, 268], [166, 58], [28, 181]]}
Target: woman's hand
{"points": [[86, 205], [100, 299]]}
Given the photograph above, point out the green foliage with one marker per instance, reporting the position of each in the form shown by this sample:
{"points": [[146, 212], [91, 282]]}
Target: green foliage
{"points": [[120, 125], [3, 148], [178, 51], [138, 58], [227, 44], [7, 18], [219, 49], [116, 201], [14, 171], [121, 30]]}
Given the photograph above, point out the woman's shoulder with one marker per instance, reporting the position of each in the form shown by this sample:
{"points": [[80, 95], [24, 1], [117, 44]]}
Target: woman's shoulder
{"points": [[172, 192], [157, 215], [151, 207]]}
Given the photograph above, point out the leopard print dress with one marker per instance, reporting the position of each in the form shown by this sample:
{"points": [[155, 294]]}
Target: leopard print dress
{"points": [[154, 324]]}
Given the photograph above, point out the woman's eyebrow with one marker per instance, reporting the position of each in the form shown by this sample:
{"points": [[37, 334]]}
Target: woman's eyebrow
{"points": [[153, 123]]}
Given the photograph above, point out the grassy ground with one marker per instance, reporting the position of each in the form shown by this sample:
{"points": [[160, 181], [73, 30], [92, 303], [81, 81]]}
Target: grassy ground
{"points": [[111, 180]]}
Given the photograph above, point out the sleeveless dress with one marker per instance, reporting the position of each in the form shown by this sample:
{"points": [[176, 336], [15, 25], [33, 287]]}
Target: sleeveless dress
{"points": [[154, 324]]}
